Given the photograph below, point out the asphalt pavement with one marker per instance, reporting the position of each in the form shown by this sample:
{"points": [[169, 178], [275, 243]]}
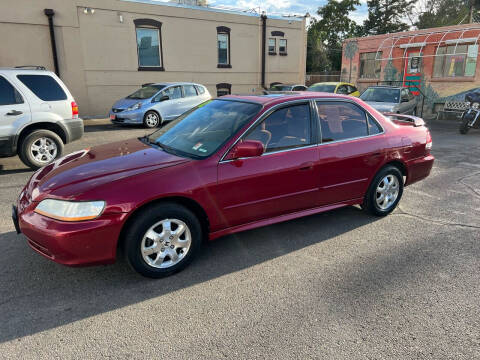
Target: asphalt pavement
{"points": [[338, 285]]}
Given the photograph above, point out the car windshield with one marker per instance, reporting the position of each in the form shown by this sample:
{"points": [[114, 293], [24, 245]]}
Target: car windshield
{"points": [[146, 92], [201, 131], [281, 88], [322, 88], [381, 95]]}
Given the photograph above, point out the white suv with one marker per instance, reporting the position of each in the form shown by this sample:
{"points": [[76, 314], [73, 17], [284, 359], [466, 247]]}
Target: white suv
{"points": [[38, 115]]}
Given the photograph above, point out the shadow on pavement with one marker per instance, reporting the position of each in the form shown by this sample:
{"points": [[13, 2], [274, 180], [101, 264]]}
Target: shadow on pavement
{"points": [[108, 127], [39, 295], [14, 171]]}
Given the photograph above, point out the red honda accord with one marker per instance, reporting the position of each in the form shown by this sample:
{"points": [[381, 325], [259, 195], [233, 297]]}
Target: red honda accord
{"points": [[228, 165]]}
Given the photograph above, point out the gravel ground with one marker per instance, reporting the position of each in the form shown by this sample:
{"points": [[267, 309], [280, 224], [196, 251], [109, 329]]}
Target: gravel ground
{"points": [[338, 285]]}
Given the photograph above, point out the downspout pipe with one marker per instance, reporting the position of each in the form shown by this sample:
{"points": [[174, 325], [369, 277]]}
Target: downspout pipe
{"points": [[264, 44], [50, 13]]}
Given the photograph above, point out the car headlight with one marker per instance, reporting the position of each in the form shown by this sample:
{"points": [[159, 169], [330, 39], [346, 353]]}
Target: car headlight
{"points": [[70, 210], [475, 105], [134, 107]]}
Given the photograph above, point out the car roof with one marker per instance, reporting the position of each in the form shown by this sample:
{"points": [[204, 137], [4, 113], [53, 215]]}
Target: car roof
{"points": [[25, 70], [288, 85], [273, 99], [388, 87], [332, 83], [174, 83]]}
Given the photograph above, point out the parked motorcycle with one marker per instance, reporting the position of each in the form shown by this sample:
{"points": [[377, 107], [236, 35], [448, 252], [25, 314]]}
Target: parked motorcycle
{"points": [[471, 115]]}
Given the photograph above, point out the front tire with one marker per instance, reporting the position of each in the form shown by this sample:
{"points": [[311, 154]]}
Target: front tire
{"points": [[384, 192], [162, 240], [464, 126], [151, 119], [40, 148]]}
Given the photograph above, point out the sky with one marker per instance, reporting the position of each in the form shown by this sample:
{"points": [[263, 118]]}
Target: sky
{"points": [[283, 7]]}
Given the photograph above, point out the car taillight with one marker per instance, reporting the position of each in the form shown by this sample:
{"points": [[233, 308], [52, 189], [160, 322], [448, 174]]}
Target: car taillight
{"points": [[74, 110], [428, 145]]}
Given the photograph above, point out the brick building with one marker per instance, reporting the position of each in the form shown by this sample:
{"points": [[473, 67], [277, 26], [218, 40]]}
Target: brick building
{"points": [[438, 65]]}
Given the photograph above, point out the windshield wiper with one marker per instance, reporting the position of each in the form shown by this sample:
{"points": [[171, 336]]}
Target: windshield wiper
{"points": [[146, 139]]}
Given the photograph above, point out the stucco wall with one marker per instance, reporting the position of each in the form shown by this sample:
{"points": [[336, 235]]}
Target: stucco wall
{"points": [[98, 56]]}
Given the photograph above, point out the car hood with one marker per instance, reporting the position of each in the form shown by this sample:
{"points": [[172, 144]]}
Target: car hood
{"points": [[382, 106], [83, 170], [125, 103]]}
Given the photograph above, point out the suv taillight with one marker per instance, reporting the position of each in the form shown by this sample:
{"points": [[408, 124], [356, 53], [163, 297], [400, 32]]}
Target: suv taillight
{"points": [[428, 145], [74, 110]]}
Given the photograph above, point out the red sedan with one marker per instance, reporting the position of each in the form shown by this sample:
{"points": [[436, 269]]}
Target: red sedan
{"points": [[231, 164]]}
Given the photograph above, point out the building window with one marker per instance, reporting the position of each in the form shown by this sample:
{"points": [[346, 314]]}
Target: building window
{"points": [[224, 89], [455, 60], [370, 66], [223, 46], [282, 46], [149, 44], [272, 46]]}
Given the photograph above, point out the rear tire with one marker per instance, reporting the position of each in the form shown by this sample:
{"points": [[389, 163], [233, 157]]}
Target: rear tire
{"points": [[162, 240], [384, 192], [151, 119], [40, 148]]}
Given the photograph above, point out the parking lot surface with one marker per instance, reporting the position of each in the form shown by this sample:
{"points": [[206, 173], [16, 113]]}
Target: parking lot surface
{"points": [[341, 284]]}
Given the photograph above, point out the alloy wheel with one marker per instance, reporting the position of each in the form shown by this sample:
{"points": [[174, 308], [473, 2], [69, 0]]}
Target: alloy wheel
{"points": [[166, 243], [387, 192], [44, 150]]}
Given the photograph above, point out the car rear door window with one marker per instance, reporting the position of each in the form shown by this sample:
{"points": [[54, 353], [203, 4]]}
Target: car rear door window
{"points": [[341, 121], [8, 94], [200, 89], [44, 87], [189, 90], [174, 92], [288, 127], [342, 89]]}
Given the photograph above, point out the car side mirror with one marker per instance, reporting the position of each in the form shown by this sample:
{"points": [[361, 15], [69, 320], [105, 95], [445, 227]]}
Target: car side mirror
{"points": [[245, 149], [405, 99], [163, 98]]}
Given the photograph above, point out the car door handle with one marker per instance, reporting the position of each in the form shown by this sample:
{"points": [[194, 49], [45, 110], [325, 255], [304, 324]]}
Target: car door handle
{"points": [[14, 112], [306, 166]]}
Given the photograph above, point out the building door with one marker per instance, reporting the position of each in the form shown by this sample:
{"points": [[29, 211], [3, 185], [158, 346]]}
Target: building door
{"points": [[412, 73]]}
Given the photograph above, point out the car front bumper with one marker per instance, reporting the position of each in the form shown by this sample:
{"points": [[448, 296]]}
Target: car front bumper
{"points": [[126, 117], [70, 243]]}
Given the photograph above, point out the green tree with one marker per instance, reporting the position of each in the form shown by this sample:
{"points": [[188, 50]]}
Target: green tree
{"points": [[317, 55], [325, 36], [436, 13], [387, 16]]}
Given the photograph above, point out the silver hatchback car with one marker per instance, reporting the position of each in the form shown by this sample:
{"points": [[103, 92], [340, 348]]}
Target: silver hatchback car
{"points": [[155, 103]]}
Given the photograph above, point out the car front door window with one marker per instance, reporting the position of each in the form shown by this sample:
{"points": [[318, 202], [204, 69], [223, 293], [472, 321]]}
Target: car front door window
{"points": [[288, 127]]}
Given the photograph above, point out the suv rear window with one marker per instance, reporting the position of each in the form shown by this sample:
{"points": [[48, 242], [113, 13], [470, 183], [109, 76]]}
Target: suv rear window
{"points": [[44, 86]]}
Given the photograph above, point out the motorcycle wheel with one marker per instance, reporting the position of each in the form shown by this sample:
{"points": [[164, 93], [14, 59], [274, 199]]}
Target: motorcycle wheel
{"points": [[464, 126]]}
